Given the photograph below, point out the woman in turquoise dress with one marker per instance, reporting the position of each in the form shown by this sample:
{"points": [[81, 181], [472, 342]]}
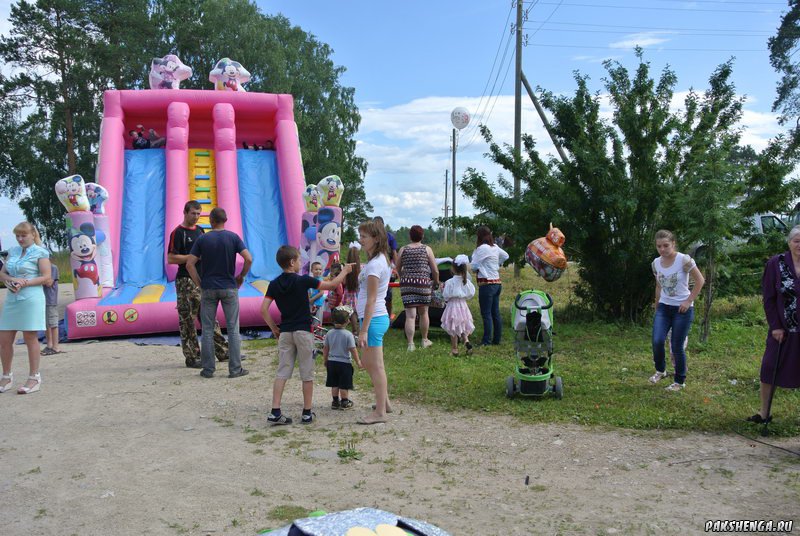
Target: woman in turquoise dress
{"points": [[25, 271]]}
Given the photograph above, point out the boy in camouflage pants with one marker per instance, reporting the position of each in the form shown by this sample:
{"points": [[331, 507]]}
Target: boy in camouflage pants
{"points": [[181, 241]]}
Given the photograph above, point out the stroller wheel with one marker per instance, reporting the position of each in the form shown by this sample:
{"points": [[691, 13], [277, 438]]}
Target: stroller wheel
{"points": [[559, 388], [510, 387]]}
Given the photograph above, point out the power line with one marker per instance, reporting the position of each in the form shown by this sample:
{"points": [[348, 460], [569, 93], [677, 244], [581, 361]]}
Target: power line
{"points": [[499, 46], [550, 16], [508, 68], [658, 27], [658, 49], [480, 114], [497, 97], [653, 8], [760, 3], [664, 32]]}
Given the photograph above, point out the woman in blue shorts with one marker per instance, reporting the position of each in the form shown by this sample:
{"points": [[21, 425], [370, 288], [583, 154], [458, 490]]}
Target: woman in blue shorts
{"points": [[373, 282]]}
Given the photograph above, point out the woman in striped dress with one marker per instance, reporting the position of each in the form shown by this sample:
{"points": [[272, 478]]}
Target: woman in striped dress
{"points": [[418, 273]]}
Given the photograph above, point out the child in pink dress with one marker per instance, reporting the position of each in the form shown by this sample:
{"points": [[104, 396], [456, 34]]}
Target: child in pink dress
{"points": [[457, 318]]}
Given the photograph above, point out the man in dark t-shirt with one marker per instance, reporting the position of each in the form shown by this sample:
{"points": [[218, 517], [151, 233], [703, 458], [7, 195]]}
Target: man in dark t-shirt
{"points": [[219, 283], [181, 241]]}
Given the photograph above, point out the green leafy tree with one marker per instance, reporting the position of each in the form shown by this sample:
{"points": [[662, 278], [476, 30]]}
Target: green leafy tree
{"points": [[782, 48], [708, 179], [65, 53], [283, 59], [521, 220], [49, 51], [646, 168], [615, 182]]}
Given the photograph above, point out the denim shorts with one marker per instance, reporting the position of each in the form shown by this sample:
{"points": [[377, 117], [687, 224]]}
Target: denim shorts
{"points": [[377, 329]]}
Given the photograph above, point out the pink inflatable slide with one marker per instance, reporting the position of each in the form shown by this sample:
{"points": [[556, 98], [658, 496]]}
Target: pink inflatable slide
{"points": [[203, 160]]}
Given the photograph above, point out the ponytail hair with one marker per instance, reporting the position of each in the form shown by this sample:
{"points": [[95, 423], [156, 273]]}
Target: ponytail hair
{"points": [[460, 269], [484, 236], [351, 279], [27, 227]]}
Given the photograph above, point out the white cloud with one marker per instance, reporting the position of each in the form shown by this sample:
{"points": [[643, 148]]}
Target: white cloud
{"points": [[408, 149], [5, 11], [12, 215], [595, 59], [643, 39]]}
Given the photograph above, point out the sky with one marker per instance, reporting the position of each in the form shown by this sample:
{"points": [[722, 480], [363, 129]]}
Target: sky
{"points": [[411, 63]]}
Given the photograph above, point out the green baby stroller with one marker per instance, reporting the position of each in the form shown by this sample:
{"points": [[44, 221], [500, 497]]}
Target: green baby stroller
{"points": [[534, 372]]}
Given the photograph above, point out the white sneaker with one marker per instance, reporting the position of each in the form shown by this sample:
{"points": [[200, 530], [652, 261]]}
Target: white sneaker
{"points": [[427, 343], [657, 377], [411, 347], [675, 386]]}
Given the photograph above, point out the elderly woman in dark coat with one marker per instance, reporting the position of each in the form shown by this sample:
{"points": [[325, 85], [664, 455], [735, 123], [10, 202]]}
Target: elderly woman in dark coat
{"points": [[781, 289]]}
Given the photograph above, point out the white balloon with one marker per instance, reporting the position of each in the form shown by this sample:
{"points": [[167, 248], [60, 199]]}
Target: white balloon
{"points": [[460, 117]]}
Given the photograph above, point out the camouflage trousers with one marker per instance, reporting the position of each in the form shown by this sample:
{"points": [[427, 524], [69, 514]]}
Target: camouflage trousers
{"points": [[188, 312]]}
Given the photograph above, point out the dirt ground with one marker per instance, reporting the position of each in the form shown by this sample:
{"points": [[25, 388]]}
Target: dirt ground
{"points": [[124, 440]]}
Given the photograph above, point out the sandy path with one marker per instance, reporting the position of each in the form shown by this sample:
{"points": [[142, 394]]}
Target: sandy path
{"points": [[124, 440]]}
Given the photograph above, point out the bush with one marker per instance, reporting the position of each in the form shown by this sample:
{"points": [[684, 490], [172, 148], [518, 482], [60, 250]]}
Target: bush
{"points": [[740, 274]]}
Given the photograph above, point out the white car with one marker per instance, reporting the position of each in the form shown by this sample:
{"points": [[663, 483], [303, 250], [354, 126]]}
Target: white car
{"points": [[762, 223]]}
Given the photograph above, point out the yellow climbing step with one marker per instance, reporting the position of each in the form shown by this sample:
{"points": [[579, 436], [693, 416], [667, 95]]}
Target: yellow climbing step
{"points": [[202, 182], [150, 294]]}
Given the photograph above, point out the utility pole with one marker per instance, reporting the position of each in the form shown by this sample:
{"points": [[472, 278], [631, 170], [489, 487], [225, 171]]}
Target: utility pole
{"points": [[455, 147], [543, 117], [446, 211], [518, 101]]}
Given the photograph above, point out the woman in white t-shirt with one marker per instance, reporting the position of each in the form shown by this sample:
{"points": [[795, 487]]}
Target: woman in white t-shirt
{"points": [[373, 283], [674, 306], [486, 261]]}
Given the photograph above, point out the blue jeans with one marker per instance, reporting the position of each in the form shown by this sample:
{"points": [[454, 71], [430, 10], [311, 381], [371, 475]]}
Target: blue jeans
{"points": [[229, 298], [489, 300], [667, 316]]}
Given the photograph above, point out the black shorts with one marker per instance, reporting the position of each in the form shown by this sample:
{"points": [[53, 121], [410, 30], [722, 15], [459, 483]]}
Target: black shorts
{"points": [[339, 375]]}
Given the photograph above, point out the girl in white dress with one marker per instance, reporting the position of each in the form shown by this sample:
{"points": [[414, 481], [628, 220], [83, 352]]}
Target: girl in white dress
{"points": [[457, 318]]}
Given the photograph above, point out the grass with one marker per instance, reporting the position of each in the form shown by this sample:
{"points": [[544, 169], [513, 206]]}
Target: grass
{"points": [[61, 259], [349, 452], [287, 512], [604, 367]]}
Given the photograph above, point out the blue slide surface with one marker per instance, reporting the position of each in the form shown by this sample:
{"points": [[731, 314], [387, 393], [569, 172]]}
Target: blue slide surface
{"points": [[262, 212], [141, 242]]}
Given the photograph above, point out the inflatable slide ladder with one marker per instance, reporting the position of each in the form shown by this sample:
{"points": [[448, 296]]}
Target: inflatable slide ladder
{"points": [[202, 182]]}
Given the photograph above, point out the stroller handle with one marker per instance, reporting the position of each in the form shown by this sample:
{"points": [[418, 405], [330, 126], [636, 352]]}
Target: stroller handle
{"points": [[543, 307]]}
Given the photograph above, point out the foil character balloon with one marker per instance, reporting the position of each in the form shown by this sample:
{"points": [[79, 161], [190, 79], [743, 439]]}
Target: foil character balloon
{"points": [[97, 197], [168, 72], [311, 198], [229, 75], [546, 256], [71, 191], [331, 190]]}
